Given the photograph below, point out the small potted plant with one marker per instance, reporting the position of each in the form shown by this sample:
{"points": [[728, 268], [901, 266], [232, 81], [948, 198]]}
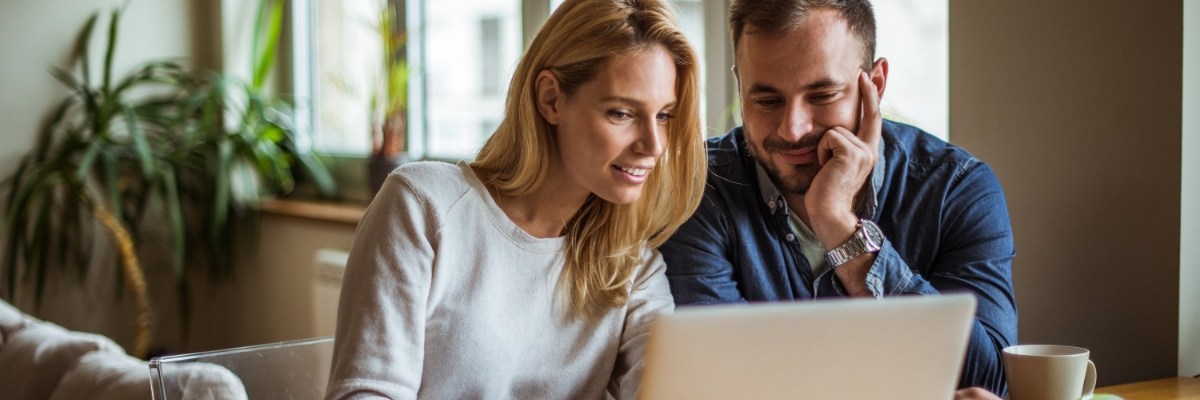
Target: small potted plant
{"points": [[389, 102]]}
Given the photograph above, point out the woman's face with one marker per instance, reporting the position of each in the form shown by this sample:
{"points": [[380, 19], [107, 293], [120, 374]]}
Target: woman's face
{"points": [[612, 130]]}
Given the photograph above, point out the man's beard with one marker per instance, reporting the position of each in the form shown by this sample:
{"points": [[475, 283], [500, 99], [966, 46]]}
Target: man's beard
{"points": [[801, 176]]}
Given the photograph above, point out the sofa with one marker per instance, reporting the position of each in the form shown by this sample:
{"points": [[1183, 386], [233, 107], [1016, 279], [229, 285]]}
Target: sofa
{"points": [[41, 360]]}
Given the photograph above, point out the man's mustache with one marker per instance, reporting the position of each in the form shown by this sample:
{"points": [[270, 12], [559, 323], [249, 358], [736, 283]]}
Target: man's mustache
{"points": [[808, 140]]}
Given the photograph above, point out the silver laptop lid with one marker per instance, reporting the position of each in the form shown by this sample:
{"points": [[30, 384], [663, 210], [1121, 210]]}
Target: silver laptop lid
{"points": [[898, 348]]}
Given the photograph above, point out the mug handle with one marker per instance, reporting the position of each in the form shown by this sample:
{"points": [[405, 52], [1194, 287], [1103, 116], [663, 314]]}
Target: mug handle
{"points": [[1089, 380]]}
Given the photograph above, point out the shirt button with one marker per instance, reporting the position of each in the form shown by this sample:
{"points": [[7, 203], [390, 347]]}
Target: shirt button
{"points": [[771, 204], [790, 237]]}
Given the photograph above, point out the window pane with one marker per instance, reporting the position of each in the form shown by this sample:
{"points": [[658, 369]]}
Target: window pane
{"points": [[349, 59], [471, 48], [913, 36]]}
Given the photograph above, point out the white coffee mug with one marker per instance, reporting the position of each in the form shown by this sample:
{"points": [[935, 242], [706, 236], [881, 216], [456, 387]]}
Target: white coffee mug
{"points": [[1049, 372]]}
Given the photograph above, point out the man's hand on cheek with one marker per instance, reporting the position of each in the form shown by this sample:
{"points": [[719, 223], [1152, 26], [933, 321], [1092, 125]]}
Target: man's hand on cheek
{"points": [[847, 160]]}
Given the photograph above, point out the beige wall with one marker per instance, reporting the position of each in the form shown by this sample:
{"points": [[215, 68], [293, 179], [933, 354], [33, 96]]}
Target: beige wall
{"points": [[1076, 104], [1189, 240], [38, 34]]}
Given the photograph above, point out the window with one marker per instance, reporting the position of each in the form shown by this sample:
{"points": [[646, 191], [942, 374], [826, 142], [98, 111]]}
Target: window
{"points": [[489, 47], [461, 55], [914, 36], [348, 48]]}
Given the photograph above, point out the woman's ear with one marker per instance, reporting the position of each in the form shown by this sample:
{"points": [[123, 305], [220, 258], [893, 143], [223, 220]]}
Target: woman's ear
{"points": [[548, 95]]}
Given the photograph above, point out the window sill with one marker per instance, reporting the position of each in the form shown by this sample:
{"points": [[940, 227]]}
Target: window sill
{"points": [[342, 213]]}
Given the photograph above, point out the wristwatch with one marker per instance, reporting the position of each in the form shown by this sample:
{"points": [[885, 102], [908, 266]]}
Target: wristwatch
{"points": [[867, 239]]}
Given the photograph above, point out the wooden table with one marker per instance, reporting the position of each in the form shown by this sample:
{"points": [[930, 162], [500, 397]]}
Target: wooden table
{"points": [[1169, 388]]}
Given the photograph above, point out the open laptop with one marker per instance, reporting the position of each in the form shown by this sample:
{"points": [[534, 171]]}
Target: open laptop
{"points": [[898, 348]]}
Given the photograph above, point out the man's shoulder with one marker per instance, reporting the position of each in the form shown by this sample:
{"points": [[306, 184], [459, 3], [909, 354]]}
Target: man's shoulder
{"points": [[730, 165], [727, 148], [907, 145]]}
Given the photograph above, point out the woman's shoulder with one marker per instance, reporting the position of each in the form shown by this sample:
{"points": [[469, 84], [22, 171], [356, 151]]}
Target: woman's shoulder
{"points": [[434, 184], [433, 179]]}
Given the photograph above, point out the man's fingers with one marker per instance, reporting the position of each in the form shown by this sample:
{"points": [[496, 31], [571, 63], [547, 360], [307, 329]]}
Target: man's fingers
{"points": [[871, 124], [835, 140]]}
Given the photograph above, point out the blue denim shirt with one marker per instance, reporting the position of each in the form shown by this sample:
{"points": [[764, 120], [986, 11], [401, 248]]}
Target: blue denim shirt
{"points": [[942, 211]]}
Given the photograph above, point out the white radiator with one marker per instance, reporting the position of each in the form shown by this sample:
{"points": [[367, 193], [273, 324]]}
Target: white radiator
{"points": [[329, 264]]}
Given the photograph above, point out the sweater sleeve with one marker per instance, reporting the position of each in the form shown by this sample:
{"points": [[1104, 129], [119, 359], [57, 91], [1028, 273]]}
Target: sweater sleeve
{"points": [[650, 296], [379, 344]]}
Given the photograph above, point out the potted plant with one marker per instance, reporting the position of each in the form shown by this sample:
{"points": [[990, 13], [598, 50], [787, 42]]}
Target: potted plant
{"points": [[389, 101], [163, 143]]}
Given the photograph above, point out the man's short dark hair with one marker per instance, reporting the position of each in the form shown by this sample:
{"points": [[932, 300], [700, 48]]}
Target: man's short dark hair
{"points": [[778, 16]]}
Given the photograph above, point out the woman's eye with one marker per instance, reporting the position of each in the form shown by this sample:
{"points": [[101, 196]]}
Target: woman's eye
{"points": [[618, 115], [664, 117]]}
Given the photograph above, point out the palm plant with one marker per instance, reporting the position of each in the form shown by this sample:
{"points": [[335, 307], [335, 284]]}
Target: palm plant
{"points": [[192, 149], [389, 101]]}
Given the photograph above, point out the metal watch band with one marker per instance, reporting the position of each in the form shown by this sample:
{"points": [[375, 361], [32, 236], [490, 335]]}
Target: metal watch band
{"points": [[867, 238]]}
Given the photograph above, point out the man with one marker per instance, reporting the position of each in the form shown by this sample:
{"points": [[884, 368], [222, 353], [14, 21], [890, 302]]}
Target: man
{"points": [[817, 196]]}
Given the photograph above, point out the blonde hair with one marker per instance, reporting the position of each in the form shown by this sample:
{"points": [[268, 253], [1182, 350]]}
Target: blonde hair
{"points": [[604, 241]]}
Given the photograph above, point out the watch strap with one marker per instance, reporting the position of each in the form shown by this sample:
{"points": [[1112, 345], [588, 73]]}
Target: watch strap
{"points": [[866, 239]]}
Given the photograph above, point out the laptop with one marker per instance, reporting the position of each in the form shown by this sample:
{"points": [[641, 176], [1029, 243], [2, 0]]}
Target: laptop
{"points": [[908, 347]]}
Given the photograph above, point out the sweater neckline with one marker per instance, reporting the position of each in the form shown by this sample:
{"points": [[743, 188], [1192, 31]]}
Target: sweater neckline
{"points": [[505, 225]]}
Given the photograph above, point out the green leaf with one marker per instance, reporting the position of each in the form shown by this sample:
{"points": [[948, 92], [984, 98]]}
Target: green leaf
{"points": [[315, 168], [19, 185], [139, 140], [11, 244], [81, 48], [39, 247], [14, 219], [111, 169], [68, 80], [89, 157], [111, 51], [265, 48], [175, 219], [46, 136], [221, 192]]}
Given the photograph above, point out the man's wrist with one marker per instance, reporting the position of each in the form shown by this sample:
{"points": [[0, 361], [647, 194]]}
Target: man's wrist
{"points": [[835, 231], [867, 238]]}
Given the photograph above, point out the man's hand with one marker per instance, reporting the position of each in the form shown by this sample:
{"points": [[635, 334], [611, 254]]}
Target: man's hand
{"points": [[847, 160]]}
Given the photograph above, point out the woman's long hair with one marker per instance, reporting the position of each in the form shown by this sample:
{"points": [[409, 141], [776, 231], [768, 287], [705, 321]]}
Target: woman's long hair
{"points": [[604, 241]]}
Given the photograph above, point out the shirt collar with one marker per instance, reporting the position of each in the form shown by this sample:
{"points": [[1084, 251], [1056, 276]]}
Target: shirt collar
{"points": [[774, 198]]}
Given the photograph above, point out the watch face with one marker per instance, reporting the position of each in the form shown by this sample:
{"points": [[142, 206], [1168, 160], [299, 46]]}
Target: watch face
{"points": [[873, 237]]}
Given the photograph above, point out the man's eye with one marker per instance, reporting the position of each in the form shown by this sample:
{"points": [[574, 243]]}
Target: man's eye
{"points": [[766, 103], [823, 97]]}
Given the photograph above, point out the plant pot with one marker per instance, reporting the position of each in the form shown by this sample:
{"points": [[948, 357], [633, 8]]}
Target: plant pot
{"points": [[379, 166]]}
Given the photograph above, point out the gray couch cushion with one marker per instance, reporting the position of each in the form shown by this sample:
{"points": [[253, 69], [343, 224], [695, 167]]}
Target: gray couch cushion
{"points": [[35, 358], [11, 319], [202, 381], [104, 376]]}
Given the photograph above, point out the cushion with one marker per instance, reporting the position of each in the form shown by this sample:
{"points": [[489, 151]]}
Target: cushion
{"points": [[202, 381], [102, 375], [36, 357], [11, 319]]}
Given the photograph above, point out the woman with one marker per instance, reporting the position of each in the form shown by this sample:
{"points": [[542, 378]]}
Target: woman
{"points": [[531, 273]]}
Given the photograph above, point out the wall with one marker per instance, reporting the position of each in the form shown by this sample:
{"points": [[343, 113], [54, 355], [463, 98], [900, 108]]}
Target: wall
{"points": [[271, 299], [39, 34], [1076, 105], [1189, 239]]}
